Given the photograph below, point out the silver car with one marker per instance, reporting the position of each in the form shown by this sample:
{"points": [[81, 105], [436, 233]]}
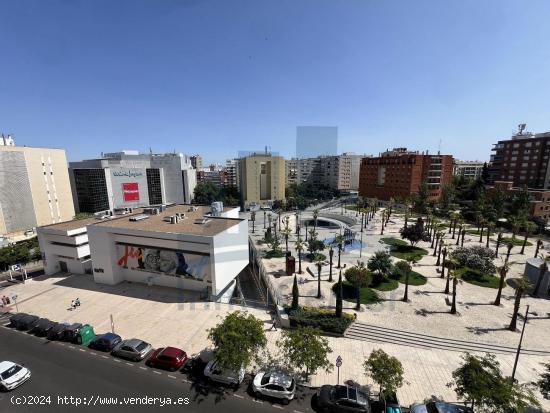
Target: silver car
{"points": [[276, 384], [133, 349], [213, 371]]}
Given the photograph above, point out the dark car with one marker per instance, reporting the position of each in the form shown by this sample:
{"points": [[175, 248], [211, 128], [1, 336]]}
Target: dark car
{"points": [[336, 399], [14, 319], [71, 331], [57, 331], [105, 342], [27, 322], [167, 358], [42, 327]]}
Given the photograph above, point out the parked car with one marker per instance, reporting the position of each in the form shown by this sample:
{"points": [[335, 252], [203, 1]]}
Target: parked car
{"points": [[133, 349], [105, 342], [42, 327], [167, 358], [213, 371], [12, 375], [336, 399], [58, 331], [14, 319], [440, 407], [276, 384], [70, 332], [27, 322], [390, 402]]}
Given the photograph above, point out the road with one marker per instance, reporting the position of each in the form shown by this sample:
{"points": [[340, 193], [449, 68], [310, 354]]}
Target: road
{"points": [[63, 369]]}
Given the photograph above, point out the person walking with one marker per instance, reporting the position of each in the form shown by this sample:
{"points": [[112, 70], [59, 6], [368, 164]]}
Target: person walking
{"points": [[273, 325]]}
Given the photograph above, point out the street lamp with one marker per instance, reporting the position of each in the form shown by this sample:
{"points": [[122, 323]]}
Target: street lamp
{"points": [[519, 345]]}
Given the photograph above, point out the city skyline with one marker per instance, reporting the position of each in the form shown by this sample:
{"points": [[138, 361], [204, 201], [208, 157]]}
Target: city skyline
{"points": [[213, 78]]}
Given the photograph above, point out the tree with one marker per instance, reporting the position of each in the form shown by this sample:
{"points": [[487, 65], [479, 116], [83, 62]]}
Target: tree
{"points": [[544, 382], [543, 268], [521, 285], [403, 267], [529, 228], [339, 240], [206, 193], [300, 246], [238, 340], [315, 217], [475, 257], [502, 271], [319, 261], [421, 201], [539, 244], [359, 277], [414, 233], [286, 234], [339, 294], [455, 278], [385, 370], [380, 264], [305, 349], [295, 295]]}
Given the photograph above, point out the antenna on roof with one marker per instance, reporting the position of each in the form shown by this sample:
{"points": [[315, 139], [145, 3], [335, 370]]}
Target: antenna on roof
{"points": [[439, 146], [150, 150]]}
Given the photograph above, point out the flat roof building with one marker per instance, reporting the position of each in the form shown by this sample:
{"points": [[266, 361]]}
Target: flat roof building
{"points": [[399, 173], [261, 179], [189, 247], [34, 187], [468, 169], [129, 179]]}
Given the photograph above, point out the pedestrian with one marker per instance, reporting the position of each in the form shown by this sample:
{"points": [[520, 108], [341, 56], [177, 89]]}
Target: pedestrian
{"points": [[273, 325], [77, 302], [354, 316], [73, 305]]}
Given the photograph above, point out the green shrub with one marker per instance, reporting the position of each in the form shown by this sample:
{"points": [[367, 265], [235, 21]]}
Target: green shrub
{"points": [[367, 295], [323, 319]]}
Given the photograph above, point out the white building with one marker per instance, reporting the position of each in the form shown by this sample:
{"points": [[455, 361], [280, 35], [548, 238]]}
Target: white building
{"points": [[468, 169], [200, 249], [129, 179]]}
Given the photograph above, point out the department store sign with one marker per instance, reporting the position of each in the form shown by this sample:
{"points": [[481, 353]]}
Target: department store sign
{"points": [[128, 173]]}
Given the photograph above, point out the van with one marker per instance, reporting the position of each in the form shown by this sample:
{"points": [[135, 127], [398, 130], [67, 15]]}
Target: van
{"points": [[84, 335]]}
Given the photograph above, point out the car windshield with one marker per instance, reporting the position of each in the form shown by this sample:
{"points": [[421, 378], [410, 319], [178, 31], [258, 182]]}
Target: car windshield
{"points": [[141, 346], [10, 372], [265, 379]]}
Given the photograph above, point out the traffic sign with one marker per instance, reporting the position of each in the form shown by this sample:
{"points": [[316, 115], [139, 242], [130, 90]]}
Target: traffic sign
{"points": [[338, 361]]}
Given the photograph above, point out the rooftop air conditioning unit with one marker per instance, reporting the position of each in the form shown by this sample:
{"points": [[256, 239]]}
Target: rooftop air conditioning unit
{"points": [[139, 217]]}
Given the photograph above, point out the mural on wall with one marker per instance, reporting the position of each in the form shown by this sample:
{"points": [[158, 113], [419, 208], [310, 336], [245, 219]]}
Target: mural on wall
{"points": [[130, 191], [163, 261]]}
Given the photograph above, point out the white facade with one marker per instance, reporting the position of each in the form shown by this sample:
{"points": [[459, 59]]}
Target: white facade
{"points": [[192, 256], [468, 169]]}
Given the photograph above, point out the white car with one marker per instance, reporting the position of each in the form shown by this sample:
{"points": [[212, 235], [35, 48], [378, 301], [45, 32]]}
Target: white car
{"points": [[12, 375], [274, 384], [215, 372]]}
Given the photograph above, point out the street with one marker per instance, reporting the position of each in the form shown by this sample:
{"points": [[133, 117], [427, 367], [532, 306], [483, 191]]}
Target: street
{"points": [[65, 370]]}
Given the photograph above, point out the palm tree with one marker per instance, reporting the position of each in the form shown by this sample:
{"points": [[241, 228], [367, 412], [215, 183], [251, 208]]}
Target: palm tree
{"points": [[451, 265], [380, 264], [454, 219], [462, 237], [253, 218], [502, 271], [404, 268], [515, 223], [330, 255], [509, 247], [460, 228], [315, 216], [529, 228], [441, 244], [286, 233], [482, 221], [359, 277], [543, 268], [539, 244], [339, 239], [499, 240], [490, 226], [455, 279], [319, 264], [443, 262], [300, 246], [522, 285], [339, 297], [437, 237]]}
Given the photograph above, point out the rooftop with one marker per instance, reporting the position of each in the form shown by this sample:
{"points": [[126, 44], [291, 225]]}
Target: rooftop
{"points": [[187, 225]]}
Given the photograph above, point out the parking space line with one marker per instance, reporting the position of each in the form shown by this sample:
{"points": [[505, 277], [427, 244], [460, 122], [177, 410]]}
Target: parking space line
{"points": [[143, 368], [172, 377], [71, 347], [105, 357], [118, 361], [186, 381], [157, 372], [238, 396], [277, 406], [81, 349], [297, 411], [257, 401], [129, 364], [93, 354]]}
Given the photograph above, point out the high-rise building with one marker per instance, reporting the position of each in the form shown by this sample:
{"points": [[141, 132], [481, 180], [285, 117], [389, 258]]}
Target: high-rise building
{"points": [[34, 187], [339, 172], [261, 179], [196, 162], [129, 179], [468, 169], [232, 170], [399, 173], [314, 141], [522, 160]]}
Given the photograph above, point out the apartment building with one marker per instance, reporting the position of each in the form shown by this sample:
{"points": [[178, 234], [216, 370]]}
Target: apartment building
{"points": [[130, 179], [399, 173], [261, 178], [34, 187], [468, 169], [196, 162], [540, 198], [337, 172], [522, 160], [232, 171]]}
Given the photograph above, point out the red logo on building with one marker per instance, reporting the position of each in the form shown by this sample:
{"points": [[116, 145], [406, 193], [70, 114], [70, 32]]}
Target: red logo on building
{"points": [[130, 191]]}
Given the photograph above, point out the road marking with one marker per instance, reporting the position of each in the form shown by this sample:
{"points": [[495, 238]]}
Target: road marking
{"points": [[93, 354], [172, 377], [257, 401], [129, 364], [186, 381], [277, 406], [238, 395], [143, 368], [118, 361], [105, 357], [157, 372], [297, 411], [71, 347], [81, 349]]}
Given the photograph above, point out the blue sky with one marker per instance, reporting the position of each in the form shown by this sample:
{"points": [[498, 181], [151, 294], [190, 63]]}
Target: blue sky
{"points": [[214, 77]]}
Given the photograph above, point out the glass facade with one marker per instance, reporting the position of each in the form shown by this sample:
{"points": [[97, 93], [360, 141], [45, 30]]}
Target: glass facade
{"points": [[91, 190]]}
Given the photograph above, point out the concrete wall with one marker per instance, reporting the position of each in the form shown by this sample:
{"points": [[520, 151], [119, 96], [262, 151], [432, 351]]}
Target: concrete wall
{"points": [[532, 272]]}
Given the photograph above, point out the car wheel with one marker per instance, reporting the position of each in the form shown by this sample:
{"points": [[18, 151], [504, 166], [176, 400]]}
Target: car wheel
{"points": [[285, 401], [257, 395]]}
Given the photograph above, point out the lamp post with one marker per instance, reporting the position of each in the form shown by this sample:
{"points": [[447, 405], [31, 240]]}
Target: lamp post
{"points": [[519, 345]]}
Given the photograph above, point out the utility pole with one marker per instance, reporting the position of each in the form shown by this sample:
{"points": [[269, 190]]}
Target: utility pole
{"points": [[519, 345]]}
